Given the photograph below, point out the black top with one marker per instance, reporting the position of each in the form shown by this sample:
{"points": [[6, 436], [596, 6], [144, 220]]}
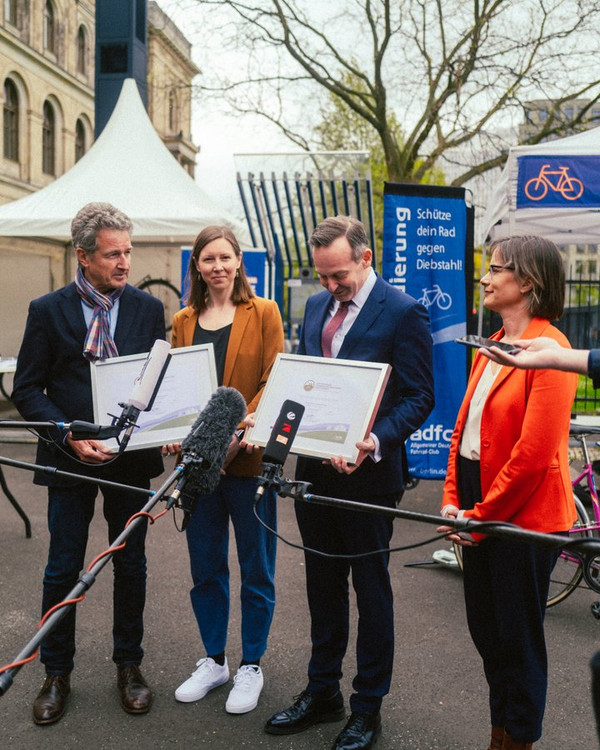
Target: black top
{"points": [[219, 339]]}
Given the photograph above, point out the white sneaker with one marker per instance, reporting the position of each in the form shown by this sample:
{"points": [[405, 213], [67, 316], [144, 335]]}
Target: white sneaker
{"points": [[207, 676], [247, 686]]}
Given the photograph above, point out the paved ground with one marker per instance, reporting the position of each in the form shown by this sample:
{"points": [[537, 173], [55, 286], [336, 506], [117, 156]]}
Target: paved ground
{"points": [[438, 698]]}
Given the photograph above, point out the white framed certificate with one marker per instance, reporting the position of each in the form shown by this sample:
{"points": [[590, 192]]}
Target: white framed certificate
{"points": [[340, 397], [189, 382]]}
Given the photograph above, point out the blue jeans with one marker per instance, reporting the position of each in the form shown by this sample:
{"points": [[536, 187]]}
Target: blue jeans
{"points": [[208, 544], [70, 510]]}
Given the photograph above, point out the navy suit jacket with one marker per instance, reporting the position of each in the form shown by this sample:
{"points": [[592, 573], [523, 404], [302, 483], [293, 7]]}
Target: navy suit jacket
{"points": [[391, 327], [53, 383]]}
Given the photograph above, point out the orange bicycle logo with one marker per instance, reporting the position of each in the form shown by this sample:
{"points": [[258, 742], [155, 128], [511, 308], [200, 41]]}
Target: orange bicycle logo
{"points": [[557, 180]]}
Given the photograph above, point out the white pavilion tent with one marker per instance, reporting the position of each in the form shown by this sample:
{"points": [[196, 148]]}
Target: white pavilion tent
{"points": [[130, 167], [575, 222]]}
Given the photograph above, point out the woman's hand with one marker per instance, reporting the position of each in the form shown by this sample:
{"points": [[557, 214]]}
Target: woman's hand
{"points": [[249, 447], [541, 353], [172, 449], [450, 511], [535, 353]]}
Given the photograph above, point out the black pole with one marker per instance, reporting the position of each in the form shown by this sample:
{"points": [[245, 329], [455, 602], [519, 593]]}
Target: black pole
{"points": [[85, 582], [584, 548], [53, 471]]}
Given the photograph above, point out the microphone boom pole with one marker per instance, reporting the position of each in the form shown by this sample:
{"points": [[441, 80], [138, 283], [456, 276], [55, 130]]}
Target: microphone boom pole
{"points": [[86, 580], [586, 549], [53, 471]]}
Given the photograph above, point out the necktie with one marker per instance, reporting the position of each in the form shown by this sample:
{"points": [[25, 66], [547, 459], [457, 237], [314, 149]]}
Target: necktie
{"points": [[332, 326]]}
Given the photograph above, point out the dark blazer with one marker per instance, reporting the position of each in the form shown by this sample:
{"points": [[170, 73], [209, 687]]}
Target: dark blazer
{"points": [[391, 327], [53, 381]]}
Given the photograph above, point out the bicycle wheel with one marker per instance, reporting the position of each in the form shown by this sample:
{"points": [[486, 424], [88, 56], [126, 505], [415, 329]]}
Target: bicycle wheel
{"points": [[568, 571], [444, 301], [458, 553], [573, 189], [535, 189], [167, 293]]}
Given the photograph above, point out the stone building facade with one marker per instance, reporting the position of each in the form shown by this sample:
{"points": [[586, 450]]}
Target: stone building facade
{"points": [[47, 75]]}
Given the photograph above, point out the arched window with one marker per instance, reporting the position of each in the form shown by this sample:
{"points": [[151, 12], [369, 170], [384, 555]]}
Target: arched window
{"points": [[173, 112], [10, 122], [10, 11], [48, 140], [80, 148], [81, 51], [49, 28]]}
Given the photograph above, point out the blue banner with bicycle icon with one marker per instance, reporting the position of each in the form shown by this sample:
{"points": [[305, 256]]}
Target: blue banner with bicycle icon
{"points": [[425, 236], [558, 182]]}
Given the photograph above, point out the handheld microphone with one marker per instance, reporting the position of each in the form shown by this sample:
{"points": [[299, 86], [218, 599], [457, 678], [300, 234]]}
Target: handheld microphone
{"points": [[142, 397], [280, 443], [205, 447], [147, 385]]}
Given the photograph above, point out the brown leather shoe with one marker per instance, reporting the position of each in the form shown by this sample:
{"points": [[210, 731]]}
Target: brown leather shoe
{"points": [[136, 696], [509, 744], [497, 738], [51, 702]]}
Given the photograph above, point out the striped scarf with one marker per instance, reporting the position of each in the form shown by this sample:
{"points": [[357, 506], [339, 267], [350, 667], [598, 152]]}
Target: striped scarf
{"points": [[98, 343]]}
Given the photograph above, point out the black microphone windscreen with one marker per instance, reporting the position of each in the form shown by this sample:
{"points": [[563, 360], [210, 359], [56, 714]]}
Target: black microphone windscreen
{"points": [[283, 432], [209, 438]]}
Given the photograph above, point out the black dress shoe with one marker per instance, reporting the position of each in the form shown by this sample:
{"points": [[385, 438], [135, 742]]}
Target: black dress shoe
{"points": [[51, 702], [307, 710], [361, 731], [136, 696]]}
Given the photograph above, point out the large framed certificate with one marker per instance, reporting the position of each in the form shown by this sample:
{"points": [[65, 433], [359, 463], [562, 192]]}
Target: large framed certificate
{"points": [[340, 396], [189, 382]]}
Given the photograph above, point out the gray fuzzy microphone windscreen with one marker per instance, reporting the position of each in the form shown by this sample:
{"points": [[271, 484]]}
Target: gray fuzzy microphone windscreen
{"points": [[206, 445]]}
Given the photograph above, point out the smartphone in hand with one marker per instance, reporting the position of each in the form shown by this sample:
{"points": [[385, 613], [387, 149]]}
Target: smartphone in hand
{"points": [[479, 342]]}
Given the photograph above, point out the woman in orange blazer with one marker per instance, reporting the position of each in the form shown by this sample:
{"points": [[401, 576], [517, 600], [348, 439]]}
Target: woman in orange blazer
{"points": [[508, 462], [247, 334]]}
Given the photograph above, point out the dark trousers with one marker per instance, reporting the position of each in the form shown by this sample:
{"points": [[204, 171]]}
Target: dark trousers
{"points": [[70, 510], [506, 586], [340, 531]]}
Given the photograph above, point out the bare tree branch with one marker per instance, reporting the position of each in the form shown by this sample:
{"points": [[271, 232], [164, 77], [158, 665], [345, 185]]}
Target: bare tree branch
{"points": [[429, 77]]}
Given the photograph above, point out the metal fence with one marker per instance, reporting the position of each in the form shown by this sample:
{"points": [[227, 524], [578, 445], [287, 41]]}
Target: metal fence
{"points": [[283, 202], [286, 195]]}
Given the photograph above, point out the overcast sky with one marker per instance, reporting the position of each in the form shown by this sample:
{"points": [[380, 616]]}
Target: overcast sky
{"points": [[218, 135]]}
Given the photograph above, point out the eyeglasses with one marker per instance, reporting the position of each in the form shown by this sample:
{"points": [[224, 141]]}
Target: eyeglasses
{"points": [[493, 269]]}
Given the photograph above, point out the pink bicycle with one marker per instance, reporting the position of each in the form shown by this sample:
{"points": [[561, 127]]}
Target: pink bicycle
{"points": [[569, 571]]}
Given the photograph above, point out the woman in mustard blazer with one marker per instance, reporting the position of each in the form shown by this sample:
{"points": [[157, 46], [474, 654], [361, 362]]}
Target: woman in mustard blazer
{"points": [[247, 334], [508, 462]]}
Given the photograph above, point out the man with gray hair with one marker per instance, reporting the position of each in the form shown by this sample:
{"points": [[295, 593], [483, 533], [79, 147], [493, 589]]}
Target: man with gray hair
{"points": [[97, 316]]}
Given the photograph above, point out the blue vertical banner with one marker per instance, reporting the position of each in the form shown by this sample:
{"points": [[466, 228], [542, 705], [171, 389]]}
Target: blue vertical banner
{"points": [[427, 253]]}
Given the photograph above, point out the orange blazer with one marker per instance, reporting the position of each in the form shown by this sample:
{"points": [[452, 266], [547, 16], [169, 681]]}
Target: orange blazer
{"points": [[524, 444], [256, 339]]}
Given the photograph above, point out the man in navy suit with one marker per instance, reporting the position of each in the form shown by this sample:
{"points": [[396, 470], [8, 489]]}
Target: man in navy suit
{"points": [[358, 317], [97, 316]]}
